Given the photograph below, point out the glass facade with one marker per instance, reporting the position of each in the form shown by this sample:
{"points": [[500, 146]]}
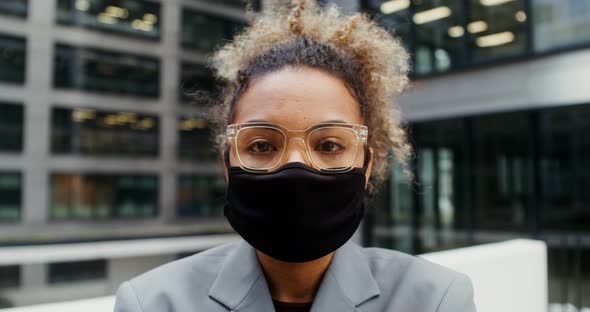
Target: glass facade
{"points": [[444, 35], [11, 127], [67, 272], [97, 70], [560, 23], [103, 196], [14, 7], [10, 196], [236, 3], [203, 31], [200, 196], [194, 140], [479, 182], [102, 133], [12, 59], [194, 77], [131, 17]]}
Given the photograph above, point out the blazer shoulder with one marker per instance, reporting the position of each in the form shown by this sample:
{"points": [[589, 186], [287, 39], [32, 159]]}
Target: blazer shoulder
{"points": [[403, 275], [175, 283]]}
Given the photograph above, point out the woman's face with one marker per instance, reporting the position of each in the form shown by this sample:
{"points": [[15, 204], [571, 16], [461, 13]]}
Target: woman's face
{"points": [[298, 98]]}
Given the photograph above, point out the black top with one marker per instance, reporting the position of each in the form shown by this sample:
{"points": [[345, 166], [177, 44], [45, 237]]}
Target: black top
{"points": [[291, 307]]}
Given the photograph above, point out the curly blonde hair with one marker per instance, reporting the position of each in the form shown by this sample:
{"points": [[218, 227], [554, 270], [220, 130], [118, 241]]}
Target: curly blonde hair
{"points": [[367, 57]]}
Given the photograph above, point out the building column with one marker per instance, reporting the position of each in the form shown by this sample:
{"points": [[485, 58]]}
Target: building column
{"points": [[37, 134], [171, 56]]}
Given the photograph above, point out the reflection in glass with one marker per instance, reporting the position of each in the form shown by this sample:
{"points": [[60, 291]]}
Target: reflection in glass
{"points": [[194, 77], [104, 71], [200, 196], [12, 59], [560, 23], [204, 31], [66, 272], [91, 132], [194, 140], [103, 196], [503, 170], [133, 17], [438, 47], [14, 7], [10, 197], [565, 169], [11, 127], [496, 30]]}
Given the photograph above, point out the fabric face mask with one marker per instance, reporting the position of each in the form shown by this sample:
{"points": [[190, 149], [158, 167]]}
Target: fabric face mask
{"points": [[296, 213]]}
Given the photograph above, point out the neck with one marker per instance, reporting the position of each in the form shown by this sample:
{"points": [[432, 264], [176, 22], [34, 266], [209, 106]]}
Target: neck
{"points": [[293, 282]]}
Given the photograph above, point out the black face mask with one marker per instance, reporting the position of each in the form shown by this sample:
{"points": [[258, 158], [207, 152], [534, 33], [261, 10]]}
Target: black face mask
{"points": [[296, 213]]}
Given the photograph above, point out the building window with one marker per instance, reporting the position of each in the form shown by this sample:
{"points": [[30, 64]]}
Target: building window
{"points": [[502, 172], [437, 47], [14, 7], [393, 16], [103, 196], [496, 31], [12, 59], [195, 143], [96, 70], [194, 77], [10, 196], [66, 272], [10, 276], [92, 132], [256, 5], [11, 127], [559, 23], [200, 196], [205, 32], [565, 170], [131, 17]]}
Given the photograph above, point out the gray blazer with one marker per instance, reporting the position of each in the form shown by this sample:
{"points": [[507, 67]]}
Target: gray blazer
{"points": [[229, 278]]}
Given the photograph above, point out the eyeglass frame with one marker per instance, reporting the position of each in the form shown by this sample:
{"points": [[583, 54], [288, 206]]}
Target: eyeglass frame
{"points": [[232, 132]]}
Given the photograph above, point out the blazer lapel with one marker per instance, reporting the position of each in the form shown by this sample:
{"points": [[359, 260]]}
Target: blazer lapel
{"points": [[347, 283], [240, 284]]}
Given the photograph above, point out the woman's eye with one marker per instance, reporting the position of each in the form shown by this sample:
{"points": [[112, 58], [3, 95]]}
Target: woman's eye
{"points": [[261, 147], [329, 147]]}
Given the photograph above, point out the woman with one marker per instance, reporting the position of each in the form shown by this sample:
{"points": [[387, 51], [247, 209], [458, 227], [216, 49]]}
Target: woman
{"points": [[307, 131]]}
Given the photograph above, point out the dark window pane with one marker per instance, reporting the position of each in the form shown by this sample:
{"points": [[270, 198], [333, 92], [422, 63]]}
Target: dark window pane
{"points": [[565, 170], [441, 155], [132, 17], [200, 196], [559, 23], [12, 59], [64, 272], [14, 7], [98, 70], [9, 276], [502, 173], [393, 16], [103, 196], [11, 127], [438, 45], [236, 3], [205, 32], [195, 142], [10, 196], [194, 77], [496, 31], [91, 132]]}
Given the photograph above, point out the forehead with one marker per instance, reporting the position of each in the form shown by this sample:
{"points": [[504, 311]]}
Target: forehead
{"points": [[297, 98]]}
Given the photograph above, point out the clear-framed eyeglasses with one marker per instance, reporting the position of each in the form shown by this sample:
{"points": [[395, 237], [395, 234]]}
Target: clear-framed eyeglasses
{"points": [[261, 147]]}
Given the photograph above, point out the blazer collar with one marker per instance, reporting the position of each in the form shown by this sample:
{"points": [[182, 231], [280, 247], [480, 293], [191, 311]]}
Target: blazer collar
{"points": [[348, 282]]}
